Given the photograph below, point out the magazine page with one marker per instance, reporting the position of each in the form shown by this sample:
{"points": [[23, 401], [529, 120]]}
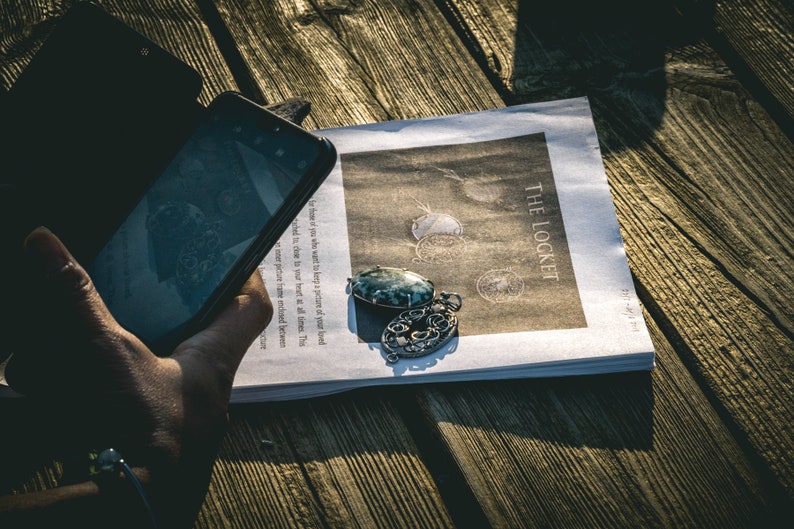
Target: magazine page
{"points": [[508, 209]]}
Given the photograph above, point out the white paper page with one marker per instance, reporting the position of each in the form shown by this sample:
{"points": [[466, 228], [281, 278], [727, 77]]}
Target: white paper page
{"points": [[524, 184]]}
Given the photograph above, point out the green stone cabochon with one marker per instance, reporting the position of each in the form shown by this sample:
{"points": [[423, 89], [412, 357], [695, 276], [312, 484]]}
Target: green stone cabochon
{"points": [[392, 287]]}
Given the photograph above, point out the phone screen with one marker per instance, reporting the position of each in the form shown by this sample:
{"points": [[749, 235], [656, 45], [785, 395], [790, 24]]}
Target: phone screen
{"points": [[224, 194]]}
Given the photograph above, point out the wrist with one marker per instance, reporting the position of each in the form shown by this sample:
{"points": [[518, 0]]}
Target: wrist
{"points": [[156, 496], [113, 474]]}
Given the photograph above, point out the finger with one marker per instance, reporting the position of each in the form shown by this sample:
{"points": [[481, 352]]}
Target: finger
{"points": [[65, 283], [226, 339], [66, 315]]}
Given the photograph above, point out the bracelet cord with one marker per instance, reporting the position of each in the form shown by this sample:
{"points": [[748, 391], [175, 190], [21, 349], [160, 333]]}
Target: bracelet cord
{"points": [[110, 461]]}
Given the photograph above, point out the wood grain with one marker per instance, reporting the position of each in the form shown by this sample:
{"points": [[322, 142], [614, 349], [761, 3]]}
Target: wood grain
{"points": [[251, 487], [761, 33], [713, 256], [698, 173], [566, 75], [176, 25], [627, 450], [293, 492], [290, 51], [179, 27], [361, 467], [23, 27], [357, 62]]}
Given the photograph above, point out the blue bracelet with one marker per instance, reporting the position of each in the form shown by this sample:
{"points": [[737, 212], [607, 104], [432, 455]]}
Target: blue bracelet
{"points": [[110, 461]]}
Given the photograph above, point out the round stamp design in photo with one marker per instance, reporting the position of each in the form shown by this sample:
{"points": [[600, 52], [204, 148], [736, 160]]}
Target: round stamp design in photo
{"points": [[440, 248], [500, 285]]}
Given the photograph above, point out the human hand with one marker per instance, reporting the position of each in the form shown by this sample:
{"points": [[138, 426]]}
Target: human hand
{"points": [[166, 415]]}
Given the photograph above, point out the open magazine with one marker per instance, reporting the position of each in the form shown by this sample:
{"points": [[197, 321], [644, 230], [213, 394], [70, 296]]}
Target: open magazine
{"points": [[509, 209]]}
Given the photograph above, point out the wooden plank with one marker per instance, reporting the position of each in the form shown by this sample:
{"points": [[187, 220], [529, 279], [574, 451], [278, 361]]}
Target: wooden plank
{"points": [[710, 258], [761, 34], [176, 25], [363, 468], [347, 496], [355, 451], [596, 65], [626, 450], [24, 26], [326, 55], [179, 27], [321, 470], [280, 43], [372, 32], [698, 172]]}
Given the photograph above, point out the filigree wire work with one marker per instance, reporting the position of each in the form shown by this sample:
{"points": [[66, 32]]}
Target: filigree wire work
{"points": [[421, 331]]}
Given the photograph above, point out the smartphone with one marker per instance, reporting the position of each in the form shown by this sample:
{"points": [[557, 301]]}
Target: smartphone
{"points": [[96, 112], [204, 225]]}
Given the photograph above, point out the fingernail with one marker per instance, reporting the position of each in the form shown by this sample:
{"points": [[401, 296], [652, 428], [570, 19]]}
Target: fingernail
{"points": [[46, 252]]}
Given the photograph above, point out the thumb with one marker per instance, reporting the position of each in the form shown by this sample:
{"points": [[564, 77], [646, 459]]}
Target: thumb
{"points": [[65, 284], [63, 313]]}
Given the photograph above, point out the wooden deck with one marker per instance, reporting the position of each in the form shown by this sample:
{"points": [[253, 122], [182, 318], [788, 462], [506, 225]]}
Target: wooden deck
{"points": [[693, 102]]}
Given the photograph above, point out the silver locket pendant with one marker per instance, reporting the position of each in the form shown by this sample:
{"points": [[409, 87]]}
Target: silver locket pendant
{"points": [[428, 324]]}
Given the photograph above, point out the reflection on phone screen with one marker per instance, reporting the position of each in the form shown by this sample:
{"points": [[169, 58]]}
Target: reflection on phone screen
{"points": [[196, 221]]}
